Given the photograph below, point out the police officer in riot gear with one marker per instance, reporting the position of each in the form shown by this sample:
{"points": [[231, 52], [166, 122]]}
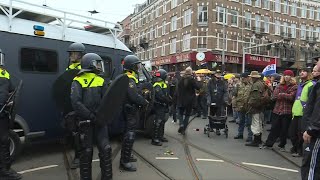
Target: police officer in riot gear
{"points": [[86, 93], [76, 51], [131, 65], [161, 107], [5, 88]]}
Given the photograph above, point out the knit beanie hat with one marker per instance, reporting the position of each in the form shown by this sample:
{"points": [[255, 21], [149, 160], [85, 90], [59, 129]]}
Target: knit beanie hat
{"points": [[288, 73]]}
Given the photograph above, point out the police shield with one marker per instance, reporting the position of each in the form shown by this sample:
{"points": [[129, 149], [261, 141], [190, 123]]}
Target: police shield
{"points": [[112, 101], [15, 101], [62, 88]]}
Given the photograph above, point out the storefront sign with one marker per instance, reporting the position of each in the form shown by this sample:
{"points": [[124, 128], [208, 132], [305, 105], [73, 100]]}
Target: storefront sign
{"points": [[258, 60], [171, 59], [210, 56]]}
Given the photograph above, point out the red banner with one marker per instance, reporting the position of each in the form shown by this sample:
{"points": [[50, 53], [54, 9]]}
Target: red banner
{"points": [[209, 56]]}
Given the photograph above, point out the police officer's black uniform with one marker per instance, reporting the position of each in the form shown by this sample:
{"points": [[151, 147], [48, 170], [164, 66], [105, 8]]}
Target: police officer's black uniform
{"points": [[86, 93], [5, 161], [161, 107], [76, 51], [133, 101]]}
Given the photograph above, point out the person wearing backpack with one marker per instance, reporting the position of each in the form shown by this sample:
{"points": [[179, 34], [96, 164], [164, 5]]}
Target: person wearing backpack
{"points": [[295, 129], [284, 94], [241, 96]]}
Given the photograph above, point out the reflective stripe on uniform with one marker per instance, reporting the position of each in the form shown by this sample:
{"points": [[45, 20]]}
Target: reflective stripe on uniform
{"points": [[74, 66], [4, 74], [313, 162], [85, 78], [131, 75], [162, 84]]}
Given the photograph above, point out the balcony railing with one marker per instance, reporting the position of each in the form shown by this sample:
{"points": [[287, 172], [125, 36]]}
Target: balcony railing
{"points": [[258, 30], [311, 40]]}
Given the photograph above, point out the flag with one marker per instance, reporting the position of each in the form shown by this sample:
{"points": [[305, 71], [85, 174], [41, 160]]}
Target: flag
{"points": [[271, 68]]}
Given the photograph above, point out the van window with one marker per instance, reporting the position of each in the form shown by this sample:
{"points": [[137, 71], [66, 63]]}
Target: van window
{"points": [[107, 65], [38, 60]]}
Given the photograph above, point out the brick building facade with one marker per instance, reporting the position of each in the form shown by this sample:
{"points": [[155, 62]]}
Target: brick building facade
{"points": [[170, 33]]}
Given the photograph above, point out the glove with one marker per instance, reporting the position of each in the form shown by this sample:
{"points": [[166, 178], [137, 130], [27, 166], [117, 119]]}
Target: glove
{"points": [[92, 116]]}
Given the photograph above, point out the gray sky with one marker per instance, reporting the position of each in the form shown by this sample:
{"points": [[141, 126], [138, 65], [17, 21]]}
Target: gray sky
{"points": [[110, 10]]}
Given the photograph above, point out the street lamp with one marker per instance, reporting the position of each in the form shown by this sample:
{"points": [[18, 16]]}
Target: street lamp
{"points": [[244, 52]]}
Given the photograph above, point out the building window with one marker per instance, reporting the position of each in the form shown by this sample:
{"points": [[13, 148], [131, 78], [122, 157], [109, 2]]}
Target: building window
{"points": [[293, 30], [173, 45], [151, 33], [311, 15], [266, 4], [155, 51], [258, 22], [163, 48], [248, 2], [234, 17], [318, 14], [277, 6], [174, 3], [187, 18], [38, 60], [203, 15], [234, 43], [174, 23], [258, 3], [156, 32], [285, 7], [266, 24], [163, 27], [157, 12], [304, 11], [277, 28], [221, 15], [186, 42], [318, 32], [247, 22], [310, 32], [202, 40], [303, 31], [294, 9], [164, 8], [285, 29], [220, 40]]}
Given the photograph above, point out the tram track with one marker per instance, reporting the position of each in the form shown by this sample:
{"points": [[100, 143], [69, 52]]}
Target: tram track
{"points": [[186, 143]]}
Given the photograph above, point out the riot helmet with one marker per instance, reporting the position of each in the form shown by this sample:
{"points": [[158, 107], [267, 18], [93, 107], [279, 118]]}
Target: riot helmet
{"points": [[76, 51], [92, 62], [161, 73], [131, 63], [1, 58]]}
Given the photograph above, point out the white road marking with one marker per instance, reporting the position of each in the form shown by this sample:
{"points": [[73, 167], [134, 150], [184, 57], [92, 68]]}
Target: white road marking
{"points": [[37, 169], [96, 160], [210, 160], [271, 167], [162, 158]]}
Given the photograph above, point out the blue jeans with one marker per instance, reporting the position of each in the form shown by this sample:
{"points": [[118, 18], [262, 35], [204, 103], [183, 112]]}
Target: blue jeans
{"points": [[235, 114], [245, 121]]}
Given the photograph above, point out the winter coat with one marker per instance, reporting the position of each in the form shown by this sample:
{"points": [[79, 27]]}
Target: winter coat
{"points": [[254, 100], [217, 92], [186, 91], [284, 99]]}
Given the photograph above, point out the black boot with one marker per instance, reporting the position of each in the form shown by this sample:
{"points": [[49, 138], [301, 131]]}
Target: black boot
{"points": [[126, 150], [6, 172], [255, 142], [76, 160], [162, 138], [106, 164], [156, 133], [85, 164], [133, 159]]}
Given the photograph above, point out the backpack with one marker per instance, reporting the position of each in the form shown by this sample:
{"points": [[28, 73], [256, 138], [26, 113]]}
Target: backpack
{"points": [[266, 96]]}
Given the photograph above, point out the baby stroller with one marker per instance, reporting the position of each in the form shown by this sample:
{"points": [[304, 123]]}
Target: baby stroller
{"points": [[216, 123]]}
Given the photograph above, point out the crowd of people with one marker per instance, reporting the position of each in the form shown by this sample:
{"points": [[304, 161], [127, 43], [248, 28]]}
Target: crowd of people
{"points": [[288, 102]]}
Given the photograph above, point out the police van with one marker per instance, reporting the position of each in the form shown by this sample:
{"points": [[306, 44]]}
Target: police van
{"points": [[34, 39]]}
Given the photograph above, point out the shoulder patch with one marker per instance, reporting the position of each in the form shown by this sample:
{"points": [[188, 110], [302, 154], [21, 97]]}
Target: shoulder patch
{"points": [[131, 84]]}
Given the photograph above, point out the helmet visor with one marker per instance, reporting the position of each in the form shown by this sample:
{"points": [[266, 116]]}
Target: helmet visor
{"points": [[1, 59], [99, 65], [75, 56]]}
